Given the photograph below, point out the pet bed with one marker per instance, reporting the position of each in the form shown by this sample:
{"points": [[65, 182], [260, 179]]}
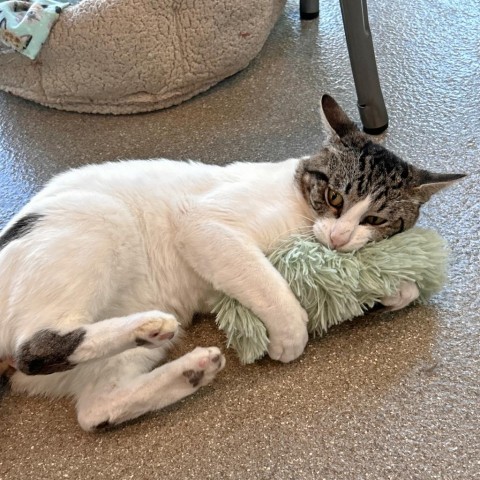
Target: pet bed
{"points": [[126, 56]]}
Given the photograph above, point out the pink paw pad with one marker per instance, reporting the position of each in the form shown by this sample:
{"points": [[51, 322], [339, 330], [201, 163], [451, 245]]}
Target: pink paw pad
{"points": [[164, 336]]}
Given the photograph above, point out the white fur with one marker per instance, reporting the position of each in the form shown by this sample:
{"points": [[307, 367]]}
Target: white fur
{"points": [[128, 237], [407, 293], [121, 243]]}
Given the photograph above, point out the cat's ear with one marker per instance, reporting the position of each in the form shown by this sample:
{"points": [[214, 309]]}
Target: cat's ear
{"points": [[428, 183], [335, 119]]}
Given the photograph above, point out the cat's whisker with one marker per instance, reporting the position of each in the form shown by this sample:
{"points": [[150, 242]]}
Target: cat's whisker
{"points": [[310, 219]]}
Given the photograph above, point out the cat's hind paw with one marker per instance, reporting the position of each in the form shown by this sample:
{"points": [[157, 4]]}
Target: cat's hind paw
{"points": [[202, 365], [155, 328]]}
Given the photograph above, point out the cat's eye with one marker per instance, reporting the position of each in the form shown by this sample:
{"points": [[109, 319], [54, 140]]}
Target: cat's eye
{"points": [[373, 220], [334, 199]]}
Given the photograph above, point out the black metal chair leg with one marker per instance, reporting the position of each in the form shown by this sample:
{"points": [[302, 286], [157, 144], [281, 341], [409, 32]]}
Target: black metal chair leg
{"points": [[309, 9], [370, 101]]}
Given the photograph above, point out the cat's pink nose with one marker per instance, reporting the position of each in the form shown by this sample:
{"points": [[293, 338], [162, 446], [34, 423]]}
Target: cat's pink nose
{"points": [[339, 239]]}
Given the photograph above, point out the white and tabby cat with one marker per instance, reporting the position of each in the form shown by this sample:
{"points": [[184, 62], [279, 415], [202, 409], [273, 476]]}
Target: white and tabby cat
{"points": [[101, 268]]}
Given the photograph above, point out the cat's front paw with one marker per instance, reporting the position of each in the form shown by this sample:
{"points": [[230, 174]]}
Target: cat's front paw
{"points": [[407, 293], [288, 340]]}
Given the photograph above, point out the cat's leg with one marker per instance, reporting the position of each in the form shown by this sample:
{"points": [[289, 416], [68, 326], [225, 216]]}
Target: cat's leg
{"points": [[80, 258], [407, 293], [53, 350], [235, 265], [125, 394]]}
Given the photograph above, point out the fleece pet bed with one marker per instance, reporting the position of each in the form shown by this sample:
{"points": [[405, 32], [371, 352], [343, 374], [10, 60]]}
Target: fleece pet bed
{"points": [[126, 56]]}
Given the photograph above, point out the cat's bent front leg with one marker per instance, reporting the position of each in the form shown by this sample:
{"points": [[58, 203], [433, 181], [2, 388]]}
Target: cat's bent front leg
{"points": [[233, 264], [407, 293], [116, 400]]}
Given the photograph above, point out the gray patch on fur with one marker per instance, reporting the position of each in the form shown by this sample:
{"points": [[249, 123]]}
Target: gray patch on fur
{"points": [[47, 352], [20, 228], [193, 376]]}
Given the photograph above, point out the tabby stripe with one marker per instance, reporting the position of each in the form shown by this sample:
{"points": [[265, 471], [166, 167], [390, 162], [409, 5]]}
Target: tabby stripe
{"points": [[382, 206], [363, 184], [363, 154], [370, 176], [318, 175], [381, 193], [360, 184], [362, 160]]}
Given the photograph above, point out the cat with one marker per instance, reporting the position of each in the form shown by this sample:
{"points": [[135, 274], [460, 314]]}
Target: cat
{"points": [[101, 269]]}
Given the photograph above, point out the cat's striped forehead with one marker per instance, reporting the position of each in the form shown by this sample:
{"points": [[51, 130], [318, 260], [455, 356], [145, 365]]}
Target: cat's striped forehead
{"points": [[358, 171], [369, 170]]}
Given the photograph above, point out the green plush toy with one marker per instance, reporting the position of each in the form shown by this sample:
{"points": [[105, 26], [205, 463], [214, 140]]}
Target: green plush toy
{"points": [[334, 287]]}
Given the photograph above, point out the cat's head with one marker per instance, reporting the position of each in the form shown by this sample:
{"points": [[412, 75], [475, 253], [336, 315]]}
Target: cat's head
{"points": [[358, 190]]}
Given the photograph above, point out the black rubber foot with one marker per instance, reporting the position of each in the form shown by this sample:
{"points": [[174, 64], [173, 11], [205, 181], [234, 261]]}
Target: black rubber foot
{"points": [[375, 131], [308, 16]]}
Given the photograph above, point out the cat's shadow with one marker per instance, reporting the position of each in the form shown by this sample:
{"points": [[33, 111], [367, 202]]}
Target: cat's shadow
{"points": [[352, 368], [368, 356]]}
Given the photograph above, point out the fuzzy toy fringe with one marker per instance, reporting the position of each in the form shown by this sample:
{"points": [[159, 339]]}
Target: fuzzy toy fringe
{"points": [[334, 287]]}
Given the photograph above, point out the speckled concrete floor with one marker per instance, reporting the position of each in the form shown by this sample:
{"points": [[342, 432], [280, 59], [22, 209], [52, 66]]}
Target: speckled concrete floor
{"points": [[393, 396]]}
